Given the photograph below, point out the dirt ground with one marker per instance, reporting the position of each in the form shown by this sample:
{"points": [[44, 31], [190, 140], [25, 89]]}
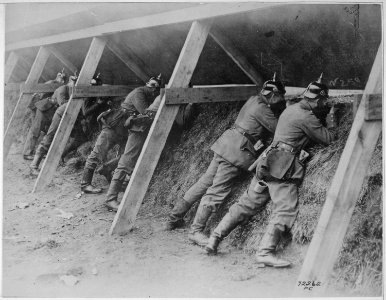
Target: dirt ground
{"points": [[53, 234]]}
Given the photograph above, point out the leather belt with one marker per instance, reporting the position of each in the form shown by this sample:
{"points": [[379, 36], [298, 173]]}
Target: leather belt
{"points": [[245, 133]]}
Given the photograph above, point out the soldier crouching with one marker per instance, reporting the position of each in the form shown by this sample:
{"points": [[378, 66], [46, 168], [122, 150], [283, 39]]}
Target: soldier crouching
{"points": [[113, 130], [234, 152], [279, 172]]}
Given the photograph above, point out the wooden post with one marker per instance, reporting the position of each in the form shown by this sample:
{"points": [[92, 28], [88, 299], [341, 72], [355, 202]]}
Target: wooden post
{"points": [[10, 65], [228, 46], [22, 103], [69, 117], [55, 51], [148, 159], [131, 60], [343, 193]]}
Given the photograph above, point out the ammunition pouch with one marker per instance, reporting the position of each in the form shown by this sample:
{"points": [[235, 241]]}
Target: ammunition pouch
{"points": [[277, 163]]}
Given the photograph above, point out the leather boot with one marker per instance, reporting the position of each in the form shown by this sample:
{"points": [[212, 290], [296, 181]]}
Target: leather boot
{"points": [[212, 245], [36, 162], [112, 195], [86, 182], [227, 224], [176, 216], [266, 253], [202, 215]]}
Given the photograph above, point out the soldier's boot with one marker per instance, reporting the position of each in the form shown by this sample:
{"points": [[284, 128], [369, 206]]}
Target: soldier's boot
{"points": [[222, 230], [36, 162], [85, 184], [112, 194], [196, 235], [266, 252], [176, 216]]}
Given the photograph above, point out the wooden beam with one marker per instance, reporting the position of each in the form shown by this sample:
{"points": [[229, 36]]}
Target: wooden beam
{"points": [[66, 124], [373, 107], [84, 91], [131, 60], [148, 159], [10, 65], [22, 103], [230, 93], [13, 86], [63, 59], [205, 11], [343, 192], [39, 88], [235, 54]]}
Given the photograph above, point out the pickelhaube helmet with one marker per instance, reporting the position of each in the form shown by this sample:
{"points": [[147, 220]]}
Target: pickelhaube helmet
{"points": [[273, 86], [61, 75], [96, 80], [74, 77], [316, 89], [154, 81]]}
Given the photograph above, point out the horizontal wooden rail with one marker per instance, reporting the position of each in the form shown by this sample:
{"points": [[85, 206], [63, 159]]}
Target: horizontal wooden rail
{"points": [[12, 87], [229, 93], [39, 88], [83, 91]]}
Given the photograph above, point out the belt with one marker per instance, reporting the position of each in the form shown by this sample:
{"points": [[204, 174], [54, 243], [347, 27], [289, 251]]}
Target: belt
{"points": [[284, 147], [250, 137]]}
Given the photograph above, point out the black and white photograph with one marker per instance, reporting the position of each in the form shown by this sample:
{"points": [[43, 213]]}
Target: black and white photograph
{"points": [[157, 149]]}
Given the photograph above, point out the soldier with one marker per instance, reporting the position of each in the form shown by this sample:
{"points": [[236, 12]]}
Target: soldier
{"points": [[279, 171], [86, 125], [234, 152], [138, 127], [59, 99], [113, 129], [43, 110]]}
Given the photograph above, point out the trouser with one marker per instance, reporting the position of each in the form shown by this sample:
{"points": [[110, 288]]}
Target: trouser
{"points": [[215, 185], [105, 141], [126, 163], [40, 122], [49, 137], [284, 196]]}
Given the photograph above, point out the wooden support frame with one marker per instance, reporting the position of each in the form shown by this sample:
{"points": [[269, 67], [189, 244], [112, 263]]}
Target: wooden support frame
{"points": [[156, 139], [69, 117], [344, 192], [131, 60], [84, 91], [22, 103], [190, 14], [38, 88], [231, 93], [228, 46], [10, 65]]}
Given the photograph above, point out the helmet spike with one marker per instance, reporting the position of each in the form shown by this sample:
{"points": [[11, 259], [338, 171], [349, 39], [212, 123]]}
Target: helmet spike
{"points": [[98, 75], [320, 78], [62, 70], [274, 77], [159, 76]]}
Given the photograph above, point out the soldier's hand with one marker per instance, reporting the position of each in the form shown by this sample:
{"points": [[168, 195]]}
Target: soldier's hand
{"points": [[331, 119]]}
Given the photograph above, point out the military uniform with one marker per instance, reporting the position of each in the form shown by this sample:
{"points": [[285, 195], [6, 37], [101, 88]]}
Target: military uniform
{"points": [[233, 152], [43, 109], [113, 131], [86, 125], [278, 174]]}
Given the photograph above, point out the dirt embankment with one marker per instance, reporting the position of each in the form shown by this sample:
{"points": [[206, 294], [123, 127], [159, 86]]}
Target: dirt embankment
{"points": [[56, 233]]}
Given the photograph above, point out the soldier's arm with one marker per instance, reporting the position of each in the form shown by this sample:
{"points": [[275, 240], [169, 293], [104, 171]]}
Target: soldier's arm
{"points": [[139, 102], [267, 119], [316, 131]]}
